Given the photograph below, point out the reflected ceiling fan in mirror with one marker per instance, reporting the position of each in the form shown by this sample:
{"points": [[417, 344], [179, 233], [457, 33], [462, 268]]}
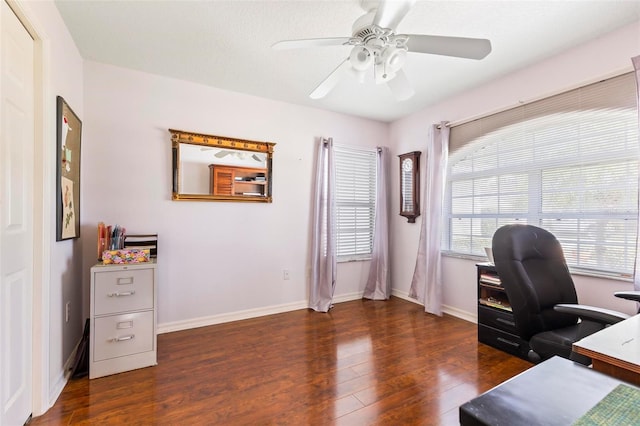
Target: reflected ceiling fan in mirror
{"points": [[240, 154], [377, 47]]}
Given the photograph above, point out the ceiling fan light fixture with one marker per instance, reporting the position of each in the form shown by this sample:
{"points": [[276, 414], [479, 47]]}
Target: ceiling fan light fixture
{"points": [[377, 47], [361, 25], [360, 76], [393, 59], [361, 58]]}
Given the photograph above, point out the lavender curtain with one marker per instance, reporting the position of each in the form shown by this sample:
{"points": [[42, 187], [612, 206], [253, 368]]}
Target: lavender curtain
{"points": [[323, 235], [378, 285], [636, 275], [426, 285]]}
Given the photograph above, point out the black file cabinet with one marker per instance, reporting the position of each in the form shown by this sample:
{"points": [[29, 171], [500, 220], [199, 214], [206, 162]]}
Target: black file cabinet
{"points": [[496, 325]]}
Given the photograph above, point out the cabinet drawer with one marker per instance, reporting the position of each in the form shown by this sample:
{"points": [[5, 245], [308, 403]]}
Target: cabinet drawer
{"points": [[122, 291], [121, 335], [502, 320], [504, 341]]}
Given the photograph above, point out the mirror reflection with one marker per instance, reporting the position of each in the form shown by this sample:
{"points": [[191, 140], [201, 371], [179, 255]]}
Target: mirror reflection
{"points": [[215, 168]]}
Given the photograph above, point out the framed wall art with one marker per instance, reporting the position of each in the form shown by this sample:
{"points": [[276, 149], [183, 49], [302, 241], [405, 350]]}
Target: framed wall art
{"points": [[69, 136]]}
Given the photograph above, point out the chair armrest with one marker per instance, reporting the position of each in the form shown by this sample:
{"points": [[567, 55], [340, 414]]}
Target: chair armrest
{"points": [[630, 295], [603, 316]]}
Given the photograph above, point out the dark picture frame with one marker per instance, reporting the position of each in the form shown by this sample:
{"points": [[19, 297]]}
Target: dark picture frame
{"points": [[68, 138]]}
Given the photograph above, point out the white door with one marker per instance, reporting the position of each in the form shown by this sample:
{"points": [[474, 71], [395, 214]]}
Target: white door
{"points": [[16, 217]]}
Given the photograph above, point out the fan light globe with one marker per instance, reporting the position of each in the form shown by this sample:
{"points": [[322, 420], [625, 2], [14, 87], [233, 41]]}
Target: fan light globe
{"points": [[394, 59], [360, 58], [359, 75]]}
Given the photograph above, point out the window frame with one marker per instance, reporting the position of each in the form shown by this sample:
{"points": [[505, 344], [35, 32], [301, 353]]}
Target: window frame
{"points": [[534, 213], [348, 154]]}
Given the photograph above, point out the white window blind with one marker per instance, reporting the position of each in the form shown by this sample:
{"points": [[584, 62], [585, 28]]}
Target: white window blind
{"points": [[568, 163], [355, 201]]}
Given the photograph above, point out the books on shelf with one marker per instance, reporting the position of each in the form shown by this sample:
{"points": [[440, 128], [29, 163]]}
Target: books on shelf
{"points": [[495, 303], [490, 280]]}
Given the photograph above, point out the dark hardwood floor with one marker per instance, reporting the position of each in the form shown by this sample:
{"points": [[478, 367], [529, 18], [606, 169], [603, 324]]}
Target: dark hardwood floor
{"points": [[365, 362]]}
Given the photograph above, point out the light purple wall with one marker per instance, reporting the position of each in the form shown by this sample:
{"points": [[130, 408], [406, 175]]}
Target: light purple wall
{"points": [[215, 258], [603, 57]]}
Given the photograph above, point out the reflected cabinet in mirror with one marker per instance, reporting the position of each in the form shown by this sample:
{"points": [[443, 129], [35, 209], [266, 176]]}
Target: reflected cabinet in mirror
{"points": [[217, 168], [410, 185]]}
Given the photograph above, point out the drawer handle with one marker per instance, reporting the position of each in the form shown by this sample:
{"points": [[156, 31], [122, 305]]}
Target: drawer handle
{"points": [[508, 342], [120, 294], [504, 321], [125, 280], [123, 338]]}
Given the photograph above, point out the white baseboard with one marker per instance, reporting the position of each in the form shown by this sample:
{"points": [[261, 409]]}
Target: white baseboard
{"points": [[246, 314], [230, 316], [62, 378], [404, 295], [58, 385], [287, 307], [450, 310], [347, 297], [459, 313]]}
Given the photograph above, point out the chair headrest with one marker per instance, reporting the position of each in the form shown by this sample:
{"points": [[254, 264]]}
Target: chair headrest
{"points": [[521, 242]]}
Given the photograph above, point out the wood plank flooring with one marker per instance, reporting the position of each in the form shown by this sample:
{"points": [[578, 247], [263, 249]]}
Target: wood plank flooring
{"points": [[365, 362]]}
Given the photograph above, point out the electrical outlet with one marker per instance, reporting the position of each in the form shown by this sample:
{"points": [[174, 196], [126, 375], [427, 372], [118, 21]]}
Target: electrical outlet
{"points": [[285, 274], [67, 309]]}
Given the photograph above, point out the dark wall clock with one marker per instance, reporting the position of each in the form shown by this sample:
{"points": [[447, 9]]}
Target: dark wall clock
{"points": [[410, 185]]}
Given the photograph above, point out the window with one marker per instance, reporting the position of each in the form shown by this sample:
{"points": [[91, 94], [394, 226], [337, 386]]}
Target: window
{"points": [[568, 164], [355, 201]]}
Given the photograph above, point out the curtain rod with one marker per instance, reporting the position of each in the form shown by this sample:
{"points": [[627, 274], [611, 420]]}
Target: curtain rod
{"points": [[326, 140], [520, 103]]}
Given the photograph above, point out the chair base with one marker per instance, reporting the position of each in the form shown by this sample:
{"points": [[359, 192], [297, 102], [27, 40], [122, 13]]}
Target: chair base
{"points": [[533, 357]]}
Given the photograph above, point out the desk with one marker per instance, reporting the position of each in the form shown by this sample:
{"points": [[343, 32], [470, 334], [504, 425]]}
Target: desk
{"points": [[556, 392], [615, 350]]}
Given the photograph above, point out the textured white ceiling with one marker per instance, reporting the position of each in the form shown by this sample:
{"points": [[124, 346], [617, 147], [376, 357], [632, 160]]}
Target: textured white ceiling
{"points": [[227, 44]]}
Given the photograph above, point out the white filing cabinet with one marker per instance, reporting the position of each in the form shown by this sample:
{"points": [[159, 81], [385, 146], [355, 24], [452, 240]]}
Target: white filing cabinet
{"points": [[123, 318]]}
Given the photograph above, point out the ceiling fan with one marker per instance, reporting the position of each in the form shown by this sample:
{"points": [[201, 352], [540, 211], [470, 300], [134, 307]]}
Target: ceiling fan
{"points": [[242, 155], [377, 46]]}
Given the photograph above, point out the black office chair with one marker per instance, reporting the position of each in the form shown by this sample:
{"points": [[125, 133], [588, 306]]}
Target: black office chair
{"points": [[629, 295], [534, 274]]}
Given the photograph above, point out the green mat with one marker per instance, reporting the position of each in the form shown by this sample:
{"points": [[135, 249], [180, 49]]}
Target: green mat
{"points": [[621, 407]]}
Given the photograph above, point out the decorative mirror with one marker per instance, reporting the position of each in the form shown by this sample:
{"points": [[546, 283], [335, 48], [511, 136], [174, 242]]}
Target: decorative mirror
{"points": [[217, 168], [410, 185]]}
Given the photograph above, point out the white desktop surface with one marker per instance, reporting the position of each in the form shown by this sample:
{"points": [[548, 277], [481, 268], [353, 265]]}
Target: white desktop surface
{"points": [[617, 345], [621, 341]]}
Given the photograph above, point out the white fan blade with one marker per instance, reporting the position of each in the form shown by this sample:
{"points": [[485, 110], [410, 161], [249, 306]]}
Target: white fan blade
{"points": [[391, 12], [310, 42], [330, 82], [461, 47], [400, 86]]}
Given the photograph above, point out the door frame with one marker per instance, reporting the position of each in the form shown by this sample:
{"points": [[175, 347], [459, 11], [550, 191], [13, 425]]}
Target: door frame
{"points": [[44, 141]]}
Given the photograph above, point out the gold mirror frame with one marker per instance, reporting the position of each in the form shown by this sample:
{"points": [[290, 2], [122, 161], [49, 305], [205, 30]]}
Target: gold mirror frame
{"points": [[241, 183]]}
